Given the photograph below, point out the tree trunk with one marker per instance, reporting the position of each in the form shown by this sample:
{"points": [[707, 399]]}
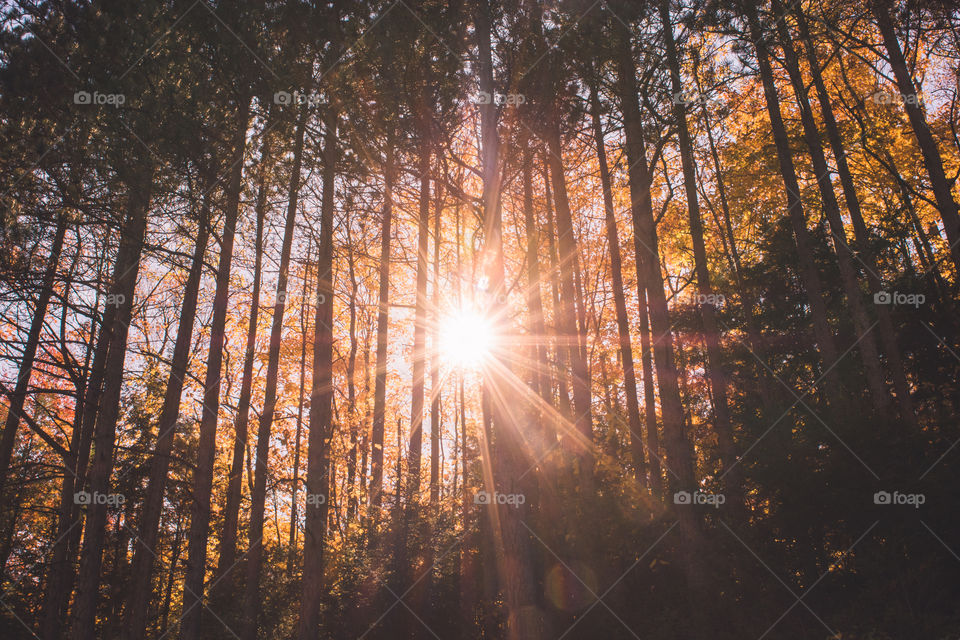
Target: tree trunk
{"points": [[678, 449], [122, 290], [435, 357], [231, 511], [352, 492], [717, 374], [524, 619], [848, 272], [616, 273], [16, 399], [383, 320], [321, 406], [572, 337], [809, 275], [419, 335], [141, 574], [918, 120], [206, 446], [861, 234], [258, 498], [61, 573], [295, 489]]}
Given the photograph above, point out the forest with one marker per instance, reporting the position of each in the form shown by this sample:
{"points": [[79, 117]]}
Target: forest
{"points": [[479, 319]]}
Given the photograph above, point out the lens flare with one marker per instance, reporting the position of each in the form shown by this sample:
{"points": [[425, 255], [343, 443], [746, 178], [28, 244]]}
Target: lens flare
{"points": [[466, 339]]}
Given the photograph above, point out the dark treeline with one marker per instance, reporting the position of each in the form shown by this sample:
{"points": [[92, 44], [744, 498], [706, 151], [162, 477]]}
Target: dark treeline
{"points": [[486, 319]]}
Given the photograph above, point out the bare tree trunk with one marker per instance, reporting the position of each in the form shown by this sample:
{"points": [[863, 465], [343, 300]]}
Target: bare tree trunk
{"points": [[105, 431], [571, 335], [918, 120], [677, 445], [717, 374], [540, 375], [321, 407], [193, 581], [295, 489], [435, 358], [231, 512], [352, 492], [616, 273], [61, 573], [258, 498], [518, 580], [807, 268], [141, 575], [419, 335], [383, 320], [560, 351], [861, 234], [171, 572], [848, 273], [15, 408]]}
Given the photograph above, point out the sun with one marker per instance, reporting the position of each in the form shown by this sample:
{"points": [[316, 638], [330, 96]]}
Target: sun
{"points": [[466, 339]]}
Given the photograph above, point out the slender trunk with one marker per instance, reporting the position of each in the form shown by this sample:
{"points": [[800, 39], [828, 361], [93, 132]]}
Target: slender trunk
{"points": [[16, 399], [435, 358], [676, 443], [105, 431], [540, 375], [61, 572], [171, 572], [419, 334], [295, 489], [717, 374], [616, 273], [383, 319], [524, 619], [861, 234], [141, 575], [352, 492], [321, 406], [809, 275], [571, 335], [918, 121], [252, 601], [231, 512], [848, 273], [560, 352], [193, 581]]}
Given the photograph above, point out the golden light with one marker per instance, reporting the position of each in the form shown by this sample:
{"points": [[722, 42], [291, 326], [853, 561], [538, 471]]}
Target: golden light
{"points": [[467, 339]]}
